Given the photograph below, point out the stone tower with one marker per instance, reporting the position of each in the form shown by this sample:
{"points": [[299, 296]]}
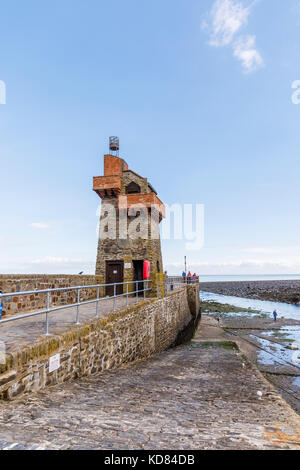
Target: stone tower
{"points": [[129, 225]]}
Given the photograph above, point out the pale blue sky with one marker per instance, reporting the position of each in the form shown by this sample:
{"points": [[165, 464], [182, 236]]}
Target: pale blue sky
{"points": [[199, 93]]}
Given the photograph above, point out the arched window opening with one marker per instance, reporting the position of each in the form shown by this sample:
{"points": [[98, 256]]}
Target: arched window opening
{"points": [[133, 188]]}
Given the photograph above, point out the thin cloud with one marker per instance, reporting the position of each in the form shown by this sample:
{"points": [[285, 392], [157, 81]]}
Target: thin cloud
{"points": [[264, 250], [237, 267], [227, 17], [225, 21], [40, 225], [56, 260], [49, 265], [244, 49]]}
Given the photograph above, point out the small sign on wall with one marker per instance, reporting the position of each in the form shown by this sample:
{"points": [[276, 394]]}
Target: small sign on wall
{"points": [[127, 265], [54, 363]]}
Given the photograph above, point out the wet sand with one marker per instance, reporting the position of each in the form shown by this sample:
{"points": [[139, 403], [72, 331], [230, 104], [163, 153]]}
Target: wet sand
{"points": [[267, 344]]}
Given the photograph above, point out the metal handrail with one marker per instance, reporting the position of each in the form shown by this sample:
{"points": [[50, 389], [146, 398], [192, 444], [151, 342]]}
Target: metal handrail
{"points": [[59, 289], [175, 282], [77, 304], [181, 280]]}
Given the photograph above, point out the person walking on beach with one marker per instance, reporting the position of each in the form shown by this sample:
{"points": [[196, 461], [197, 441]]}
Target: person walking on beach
{"points": [[275, 315], [218, 319]]}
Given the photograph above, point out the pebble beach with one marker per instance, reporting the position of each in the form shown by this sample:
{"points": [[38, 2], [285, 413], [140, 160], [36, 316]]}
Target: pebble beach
{"points": [[276, 290]]}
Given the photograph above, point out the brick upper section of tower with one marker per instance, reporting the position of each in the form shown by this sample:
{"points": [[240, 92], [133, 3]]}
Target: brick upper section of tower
{"points": [[117, 177]]}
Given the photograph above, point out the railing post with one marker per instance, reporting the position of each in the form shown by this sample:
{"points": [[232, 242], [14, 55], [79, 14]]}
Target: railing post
{"points": [[77, 312], [127, 295], [47, 314], [115, 293], [137, 292], [145, 286], [97, 303]]}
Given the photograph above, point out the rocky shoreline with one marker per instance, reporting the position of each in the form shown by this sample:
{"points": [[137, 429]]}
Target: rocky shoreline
{"points": [[276, 291]]}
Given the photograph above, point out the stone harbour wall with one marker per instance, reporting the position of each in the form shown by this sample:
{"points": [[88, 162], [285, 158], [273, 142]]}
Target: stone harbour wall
{"points": [[130, 334], [17, 304]]}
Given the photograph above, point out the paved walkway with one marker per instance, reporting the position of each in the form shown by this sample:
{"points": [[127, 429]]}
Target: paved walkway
{"points": [[198, 396], [17, 333]]}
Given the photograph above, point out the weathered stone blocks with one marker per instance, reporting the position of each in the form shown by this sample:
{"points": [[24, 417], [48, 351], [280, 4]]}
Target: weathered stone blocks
{"points": [[130, 334], [14, 283]]}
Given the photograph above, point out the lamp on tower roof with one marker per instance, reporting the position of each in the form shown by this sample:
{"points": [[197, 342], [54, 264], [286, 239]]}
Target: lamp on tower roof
{"points": [[114, 145]]}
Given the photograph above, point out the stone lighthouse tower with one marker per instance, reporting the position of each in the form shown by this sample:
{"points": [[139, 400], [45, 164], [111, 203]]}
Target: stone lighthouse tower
{"points": [[129, 224]]}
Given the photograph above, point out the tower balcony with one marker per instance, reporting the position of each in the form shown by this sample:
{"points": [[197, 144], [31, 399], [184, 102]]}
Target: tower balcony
{"points": [[149, 200], [107, 186]]}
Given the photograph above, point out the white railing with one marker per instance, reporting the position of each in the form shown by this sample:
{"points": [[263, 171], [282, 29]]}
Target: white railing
{"points": [[176, 282]]}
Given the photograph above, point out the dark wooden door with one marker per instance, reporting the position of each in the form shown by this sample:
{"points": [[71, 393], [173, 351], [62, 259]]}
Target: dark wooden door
{"points": [[114, 274], [138, 275]]}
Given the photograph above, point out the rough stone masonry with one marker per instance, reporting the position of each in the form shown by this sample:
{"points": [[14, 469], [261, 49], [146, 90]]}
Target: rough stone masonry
{"points": [[129, 334], [16, 283], [130, 203], [196, 396]]}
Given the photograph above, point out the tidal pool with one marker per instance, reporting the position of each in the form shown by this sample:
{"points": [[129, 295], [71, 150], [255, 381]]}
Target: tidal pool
{"points": [[266, 307], [288, 336]]}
